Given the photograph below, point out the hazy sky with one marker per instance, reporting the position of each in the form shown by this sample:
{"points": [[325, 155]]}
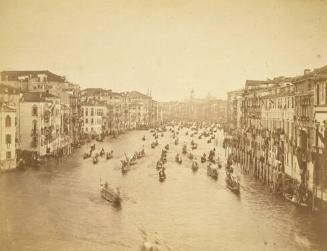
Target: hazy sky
{"points": [[169, 46]]}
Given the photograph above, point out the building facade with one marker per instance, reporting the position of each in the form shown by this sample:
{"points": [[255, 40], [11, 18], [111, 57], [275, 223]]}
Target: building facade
{"points": [[7, 137]]}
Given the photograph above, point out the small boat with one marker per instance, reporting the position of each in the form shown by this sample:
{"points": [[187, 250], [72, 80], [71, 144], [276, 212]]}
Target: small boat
{"points": [[167, 147], [95, 159], [159, 165], [110, 194], [203, 158], [86, 155], [178, 159], [21, 165], [124, 169], [109, 155], [194, 146], [163, 159], [132, 161], [153, 145], [162, 175], [232, 183], [209, 141], [102, 152], [295, 200], [195, 166], [184, 149], [212, 171]]}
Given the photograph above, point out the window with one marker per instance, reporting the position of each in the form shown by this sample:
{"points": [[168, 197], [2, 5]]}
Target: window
{"points": [[92, 111], [8, 121], [34, 110], [8, 140], [86, 112], [86, 121], [92, 121], [34, 124], [8, 155]]}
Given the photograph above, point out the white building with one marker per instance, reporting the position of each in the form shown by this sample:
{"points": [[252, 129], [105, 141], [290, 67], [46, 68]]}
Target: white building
{"points": [[94, 118], [7, 137], [41, 125]]}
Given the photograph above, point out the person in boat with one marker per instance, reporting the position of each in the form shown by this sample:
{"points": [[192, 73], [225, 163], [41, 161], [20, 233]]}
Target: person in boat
{"points": [[102, 152]]}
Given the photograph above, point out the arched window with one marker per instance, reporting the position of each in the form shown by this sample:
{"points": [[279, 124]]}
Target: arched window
{"points": [[8, 121]]}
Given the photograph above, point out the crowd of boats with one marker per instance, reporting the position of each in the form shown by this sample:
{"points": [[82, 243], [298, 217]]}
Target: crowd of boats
{"points": [[214, 163]]}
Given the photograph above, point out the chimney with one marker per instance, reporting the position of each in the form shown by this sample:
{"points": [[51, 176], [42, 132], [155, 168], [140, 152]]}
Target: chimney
{"points": [[306, 71]]}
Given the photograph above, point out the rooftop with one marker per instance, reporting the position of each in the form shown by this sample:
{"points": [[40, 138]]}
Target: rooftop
{"points": [[14, 75]]}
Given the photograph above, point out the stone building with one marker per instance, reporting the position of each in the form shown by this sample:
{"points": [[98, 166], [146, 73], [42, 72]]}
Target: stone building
{"points": [[7, 137]]}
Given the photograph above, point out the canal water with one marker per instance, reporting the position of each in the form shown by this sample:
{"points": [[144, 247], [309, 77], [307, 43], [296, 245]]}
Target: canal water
{"points": [[58, 206]]}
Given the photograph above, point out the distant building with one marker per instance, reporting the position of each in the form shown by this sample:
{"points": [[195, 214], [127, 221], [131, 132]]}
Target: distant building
{"points": [[93, 117], [209, 109], [140, 108], [7, 137]]}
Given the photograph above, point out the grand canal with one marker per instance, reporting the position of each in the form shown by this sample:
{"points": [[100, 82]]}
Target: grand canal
{"points": [[58, 206]]}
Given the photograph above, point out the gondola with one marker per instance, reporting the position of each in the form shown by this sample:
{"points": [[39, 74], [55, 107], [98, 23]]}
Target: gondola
{"points": [[86, 155], [295, 200], [102, 152], [162, 175], [110, 194], [195, 166], [109, 155], [212, 171], [232, 183], [184, 149], [178, 159], [95, 159], [159, 165], [163, 159]]}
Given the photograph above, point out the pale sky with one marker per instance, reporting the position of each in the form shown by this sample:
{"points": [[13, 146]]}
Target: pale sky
{"points": [[169, 46]]}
